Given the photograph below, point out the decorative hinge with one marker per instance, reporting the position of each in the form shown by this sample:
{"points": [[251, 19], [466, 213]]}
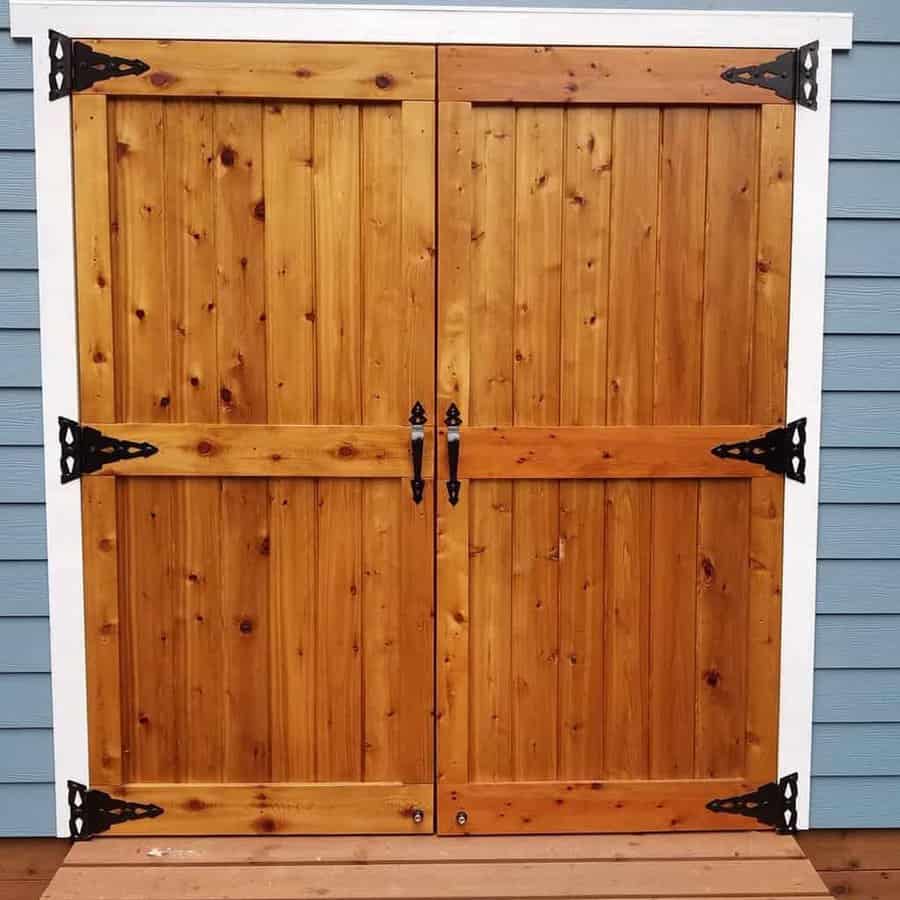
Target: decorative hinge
{"points": [[83, 450], [773, 804], [782, 450], [75, 66], [93, 812], [793, 75]]}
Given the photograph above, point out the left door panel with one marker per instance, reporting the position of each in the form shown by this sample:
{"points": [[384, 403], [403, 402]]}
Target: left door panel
{"points": [[255, 297]]}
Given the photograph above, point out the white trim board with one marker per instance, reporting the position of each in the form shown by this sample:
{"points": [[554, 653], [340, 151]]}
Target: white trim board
{"points": [[473, 25]]}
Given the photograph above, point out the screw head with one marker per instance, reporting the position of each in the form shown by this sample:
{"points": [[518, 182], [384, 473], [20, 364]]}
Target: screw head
{"points": [[462, 817], [418, 816]]}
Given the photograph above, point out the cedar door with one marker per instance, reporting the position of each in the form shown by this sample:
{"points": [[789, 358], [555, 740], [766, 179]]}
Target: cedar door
{"points": [[255, 257], [614, 231]]}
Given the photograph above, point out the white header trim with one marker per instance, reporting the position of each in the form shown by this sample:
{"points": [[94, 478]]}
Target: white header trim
{"points": [[365, 23], [429, 24]]}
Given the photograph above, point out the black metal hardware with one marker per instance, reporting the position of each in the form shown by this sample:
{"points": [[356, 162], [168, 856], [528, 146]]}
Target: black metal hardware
{"points": [[453, 421], [83, 449], [772, 804], [793, 75], [417, 444], [93, 812], [75, 66], [782, 450]]}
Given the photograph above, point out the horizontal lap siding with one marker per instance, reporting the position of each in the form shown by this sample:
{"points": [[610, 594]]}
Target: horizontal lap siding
{"points": [[857, 702], [26, 751]]}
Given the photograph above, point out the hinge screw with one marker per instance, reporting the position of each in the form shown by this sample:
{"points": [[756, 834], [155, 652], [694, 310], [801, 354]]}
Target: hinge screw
{"points": [[462, 817], [418, 816]]}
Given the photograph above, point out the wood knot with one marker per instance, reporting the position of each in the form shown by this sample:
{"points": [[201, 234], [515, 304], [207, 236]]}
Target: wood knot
{"points": [[383, 81], [346, 450], [99, 356], [225, 394], [712, 677], [204, 448], [161, 79], [228, 156], [246, 626], [141, 314], [259, 211]]}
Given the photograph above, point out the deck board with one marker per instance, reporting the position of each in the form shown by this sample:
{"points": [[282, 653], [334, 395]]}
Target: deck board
{"points": [[743, 866]]}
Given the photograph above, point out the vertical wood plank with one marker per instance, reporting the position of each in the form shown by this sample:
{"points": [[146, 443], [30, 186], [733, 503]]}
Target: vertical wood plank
{"points": [[386, 400], [291, 357], [676, 401], [630, 402], [415, 753], [153, 710], [536, 371], [191, 269], [723, 555], [767, 404], [584, 318], [245, 543], [455, 198], [339, 651], [492, 315], [97, 402]]}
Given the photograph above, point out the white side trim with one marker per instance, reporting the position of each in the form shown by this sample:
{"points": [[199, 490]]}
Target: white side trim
{"points": [[59, 383], [474, 25], [804, 398]]}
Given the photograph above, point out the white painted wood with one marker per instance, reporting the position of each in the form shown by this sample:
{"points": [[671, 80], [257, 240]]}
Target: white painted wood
{"points": [[474, 25], [59, 377], [804, 398], [428, 24]]}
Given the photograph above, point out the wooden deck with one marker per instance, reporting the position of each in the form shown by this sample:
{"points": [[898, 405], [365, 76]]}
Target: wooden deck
{"points": [[741, 865]]}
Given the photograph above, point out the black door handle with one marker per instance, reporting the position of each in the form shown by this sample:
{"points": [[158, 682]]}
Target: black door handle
{"points": [[417, 422], [453, 421]]}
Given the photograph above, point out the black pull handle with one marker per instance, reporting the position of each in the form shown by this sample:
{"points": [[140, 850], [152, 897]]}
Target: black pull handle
{"points": [[453, 421], [417, 422]]}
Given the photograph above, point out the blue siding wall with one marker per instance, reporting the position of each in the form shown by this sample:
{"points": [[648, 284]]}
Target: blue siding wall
{"points": [[856, 759]]}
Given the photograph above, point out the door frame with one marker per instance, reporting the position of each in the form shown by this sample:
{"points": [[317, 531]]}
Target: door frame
{"points": [[156, 19]]}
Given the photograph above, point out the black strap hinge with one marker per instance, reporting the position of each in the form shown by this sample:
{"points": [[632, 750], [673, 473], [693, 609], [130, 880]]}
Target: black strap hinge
{"points": [[83, 450], [772, 804], [793, 75], [93, 812], [782, 450], [75, 66]]}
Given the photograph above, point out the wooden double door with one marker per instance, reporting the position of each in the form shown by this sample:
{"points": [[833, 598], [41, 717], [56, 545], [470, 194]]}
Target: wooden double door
{"points": [[275, 263]]}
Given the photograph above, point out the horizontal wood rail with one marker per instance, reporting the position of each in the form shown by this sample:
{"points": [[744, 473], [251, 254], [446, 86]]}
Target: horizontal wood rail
{"points": [[597, 75], [598, 806], [273, 70], [314, 451], [615, 451], [317, 808]]}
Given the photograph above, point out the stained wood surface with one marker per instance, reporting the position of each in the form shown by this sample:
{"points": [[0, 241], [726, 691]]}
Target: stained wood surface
{"points": [[270, 630], [273, 70], [371, 451], [590, 451], [665, 866], [599, 322], [576, 75]]}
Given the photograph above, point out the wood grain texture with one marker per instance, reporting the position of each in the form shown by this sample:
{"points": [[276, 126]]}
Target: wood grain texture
{"points": [[793, 877], [768, 398], [633, 806], [604, 451], [724, 517], [749, 845], [273, 70], [676, 401], [372, 451], [575, 75], [265, 809], [633, 257]]}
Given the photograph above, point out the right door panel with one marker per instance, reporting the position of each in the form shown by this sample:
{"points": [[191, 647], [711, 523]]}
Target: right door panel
{"points": [[608, 647]]}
